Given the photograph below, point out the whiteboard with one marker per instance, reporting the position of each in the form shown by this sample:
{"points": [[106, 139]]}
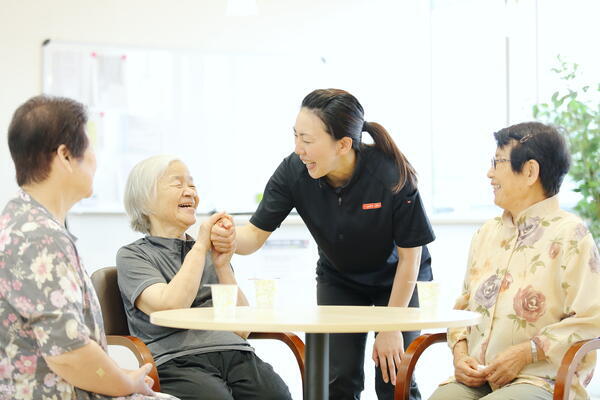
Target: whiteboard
{"points": [[229, 117]]}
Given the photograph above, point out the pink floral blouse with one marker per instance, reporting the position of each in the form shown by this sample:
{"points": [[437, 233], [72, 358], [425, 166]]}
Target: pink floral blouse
{"points": [[48, 305], [535, 279]]}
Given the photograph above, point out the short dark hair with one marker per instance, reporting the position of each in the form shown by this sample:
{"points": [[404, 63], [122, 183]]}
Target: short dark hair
{"points": [[542, 143], [38, 128]]}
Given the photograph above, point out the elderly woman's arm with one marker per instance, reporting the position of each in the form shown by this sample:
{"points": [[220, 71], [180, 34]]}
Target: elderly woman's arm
{"points": [[91, 369], [456, 335], [181, 291], [579, 279], [225, 274], [466, 369]]}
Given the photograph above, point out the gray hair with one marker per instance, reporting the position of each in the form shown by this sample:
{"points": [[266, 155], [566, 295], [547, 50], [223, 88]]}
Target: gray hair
{"points": [[140, 190]]}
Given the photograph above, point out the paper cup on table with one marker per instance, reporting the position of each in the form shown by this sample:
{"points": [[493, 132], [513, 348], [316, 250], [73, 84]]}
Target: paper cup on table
{"points": [[224, 298], [429, 296], [266, 293]]}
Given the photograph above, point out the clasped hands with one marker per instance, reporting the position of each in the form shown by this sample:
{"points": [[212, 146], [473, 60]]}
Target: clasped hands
{"points": [[502, 370], [218, 234]]}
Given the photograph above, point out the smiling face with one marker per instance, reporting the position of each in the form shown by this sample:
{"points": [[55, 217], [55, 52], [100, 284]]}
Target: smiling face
{"points": [[510, 188], [317, 149], [174, 208]]}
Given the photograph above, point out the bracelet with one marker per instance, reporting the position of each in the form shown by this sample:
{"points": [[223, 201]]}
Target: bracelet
{"points": [[534, 352]]}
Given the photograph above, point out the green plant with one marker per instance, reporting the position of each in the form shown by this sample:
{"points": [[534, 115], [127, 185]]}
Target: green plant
{"points": [[576, 110]]}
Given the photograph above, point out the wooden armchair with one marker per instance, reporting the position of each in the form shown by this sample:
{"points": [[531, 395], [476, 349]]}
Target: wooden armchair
{"points": [[562, 385], [117, 331]]}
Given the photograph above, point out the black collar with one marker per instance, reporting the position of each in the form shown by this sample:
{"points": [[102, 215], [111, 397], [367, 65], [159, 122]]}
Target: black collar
{"points": [[355, 175]]}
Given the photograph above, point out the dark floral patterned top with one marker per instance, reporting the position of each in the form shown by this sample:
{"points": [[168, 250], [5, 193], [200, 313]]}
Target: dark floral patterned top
{"points": [[533, 280], [48, 305]]}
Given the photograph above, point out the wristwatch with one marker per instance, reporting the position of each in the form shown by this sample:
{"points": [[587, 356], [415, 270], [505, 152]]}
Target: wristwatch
{"points": [[534, 352]]}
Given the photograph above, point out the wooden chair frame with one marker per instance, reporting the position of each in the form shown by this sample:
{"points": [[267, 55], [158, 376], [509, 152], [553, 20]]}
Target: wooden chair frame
{"points": [[562, 386], [117, 333]]}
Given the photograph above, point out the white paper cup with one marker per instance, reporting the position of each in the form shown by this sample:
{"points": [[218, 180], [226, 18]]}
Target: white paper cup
{"points": [[224, 298], [265, 293], [429, 296]]}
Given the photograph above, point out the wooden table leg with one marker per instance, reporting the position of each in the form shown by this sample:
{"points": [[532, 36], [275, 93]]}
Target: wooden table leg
{"points": [[316, 384]]}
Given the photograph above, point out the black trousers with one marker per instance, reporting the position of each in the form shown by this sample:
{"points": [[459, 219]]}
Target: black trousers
{"points": [[224, 375], [347, 350]]}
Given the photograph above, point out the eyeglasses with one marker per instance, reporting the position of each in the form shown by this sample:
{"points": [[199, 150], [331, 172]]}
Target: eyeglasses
{"points": [[498, 160]]}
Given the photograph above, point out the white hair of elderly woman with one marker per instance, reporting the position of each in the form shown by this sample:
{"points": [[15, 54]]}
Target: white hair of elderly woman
{"points": [[140, 190]]}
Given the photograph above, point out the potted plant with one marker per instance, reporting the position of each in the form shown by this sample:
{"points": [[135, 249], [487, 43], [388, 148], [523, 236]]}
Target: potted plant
{"points": [[576, 111]]}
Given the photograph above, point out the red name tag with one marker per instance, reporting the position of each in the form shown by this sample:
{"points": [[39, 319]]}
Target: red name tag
{"points": [[371, 206]]}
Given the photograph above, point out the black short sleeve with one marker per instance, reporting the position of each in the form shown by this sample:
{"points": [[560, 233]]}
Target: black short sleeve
{"points": [[411, 226], [277, 201]]}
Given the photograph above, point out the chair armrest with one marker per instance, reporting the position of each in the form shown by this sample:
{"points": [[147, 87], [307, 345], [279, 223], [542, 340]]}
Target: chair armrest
{"points": [[140, 351], [409, 360], [569, 364], [291, 340]]}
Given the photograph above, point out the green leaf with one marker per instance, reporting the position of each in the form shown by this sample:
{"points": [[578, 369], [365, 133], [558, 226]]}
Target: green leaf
{"points": [[575, 109]]}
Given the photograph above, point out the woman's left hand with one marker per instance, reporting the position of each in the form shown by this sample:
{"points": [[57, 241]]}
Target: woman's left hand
{"points": [[387, 353], [221, 260], [507, 365]]}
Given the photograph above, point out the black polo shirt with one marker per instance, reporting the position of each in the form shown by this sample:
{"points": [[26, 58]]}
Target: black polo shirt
{"points": [[357, 226]]}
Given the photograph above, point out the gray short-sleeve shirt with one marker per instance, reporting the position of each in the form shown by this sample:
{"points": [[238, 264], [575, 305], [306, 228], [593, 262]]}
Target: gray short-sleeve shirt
{"points": [[152, 260]]}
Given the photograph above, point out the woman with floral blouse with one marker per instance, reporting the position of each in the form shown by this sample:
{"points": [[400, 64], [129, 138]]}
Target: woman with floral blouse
{"points": [[531, 274], [52, 342]]}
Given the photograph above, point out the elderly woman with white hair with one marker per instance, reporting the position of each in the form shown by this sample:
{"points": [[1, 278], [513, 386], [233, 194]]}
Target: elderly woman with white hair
{"points": [[167, 269]]}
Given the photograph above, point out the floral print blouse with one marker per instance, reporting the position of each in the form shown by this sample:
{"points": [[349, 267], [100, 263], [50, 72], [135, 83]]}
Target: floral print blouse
{"points": [[535, 279], [48, 305]]}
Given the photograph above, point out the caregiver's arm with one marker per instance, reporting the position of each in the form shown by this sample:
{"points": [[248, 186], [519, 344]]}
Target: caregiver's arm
{"points": [[243, 240]]}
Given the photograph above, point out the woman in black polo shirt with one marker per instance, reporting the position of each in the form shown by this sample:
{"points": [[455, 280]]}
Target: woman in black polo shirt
{"points": [[362, 206]]}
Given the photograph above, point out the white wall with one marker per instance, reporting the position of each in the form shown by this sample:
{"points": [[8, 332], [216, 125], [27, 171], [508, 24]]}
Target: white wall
{"points": [[283, 25]]}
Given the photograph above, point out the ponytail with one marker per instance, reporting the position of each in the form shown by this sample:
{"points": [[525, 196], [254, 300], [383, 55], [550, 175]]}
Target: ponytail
{"points": [[385, 144]]}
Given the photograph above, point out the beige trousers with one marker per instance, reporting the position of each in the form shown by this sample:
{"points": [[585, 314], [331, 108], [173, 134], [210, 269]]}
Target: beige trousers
{"points": [[521, 391]]}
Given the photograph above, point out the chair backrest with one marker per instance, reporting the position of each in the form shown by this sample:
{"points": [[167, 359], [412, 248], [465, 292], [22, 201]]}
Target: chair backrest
{"points": [[107, 289]]}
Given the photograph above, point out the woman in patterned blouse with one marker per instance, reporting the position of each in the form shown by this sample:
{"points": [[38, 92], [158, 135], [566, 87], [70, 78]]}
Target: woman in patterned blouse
{"points": [[532, 274], [52, 342]]}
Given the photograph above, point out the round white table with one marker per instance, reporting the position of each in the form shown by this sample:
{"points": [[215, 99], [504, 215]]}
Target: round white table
{"points": [[317, 322]]}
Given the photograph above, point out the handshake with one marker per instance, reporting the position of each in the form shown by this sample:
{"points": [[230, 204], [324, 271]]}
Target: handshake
{"points": [[218, 234]]}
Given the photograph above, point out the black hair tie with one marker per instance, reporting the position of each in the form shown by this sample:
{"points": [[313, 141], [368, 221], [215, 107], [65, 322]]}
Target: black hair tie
{"points": [[365, 126]]}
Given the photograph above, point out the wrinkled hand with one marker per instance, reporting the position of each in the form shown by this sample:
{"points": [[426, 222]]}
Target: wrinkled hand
{"points": [[506, 366], [222, 235], [140, 380], [466, 372], [387, 353], [222, 258], [204, 231]]}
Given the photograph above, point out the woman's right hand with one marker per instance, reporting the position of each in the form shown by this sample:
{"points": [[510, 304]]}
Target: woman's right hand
{"points": [[140, 381], [466, 371], [204, 231]]}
